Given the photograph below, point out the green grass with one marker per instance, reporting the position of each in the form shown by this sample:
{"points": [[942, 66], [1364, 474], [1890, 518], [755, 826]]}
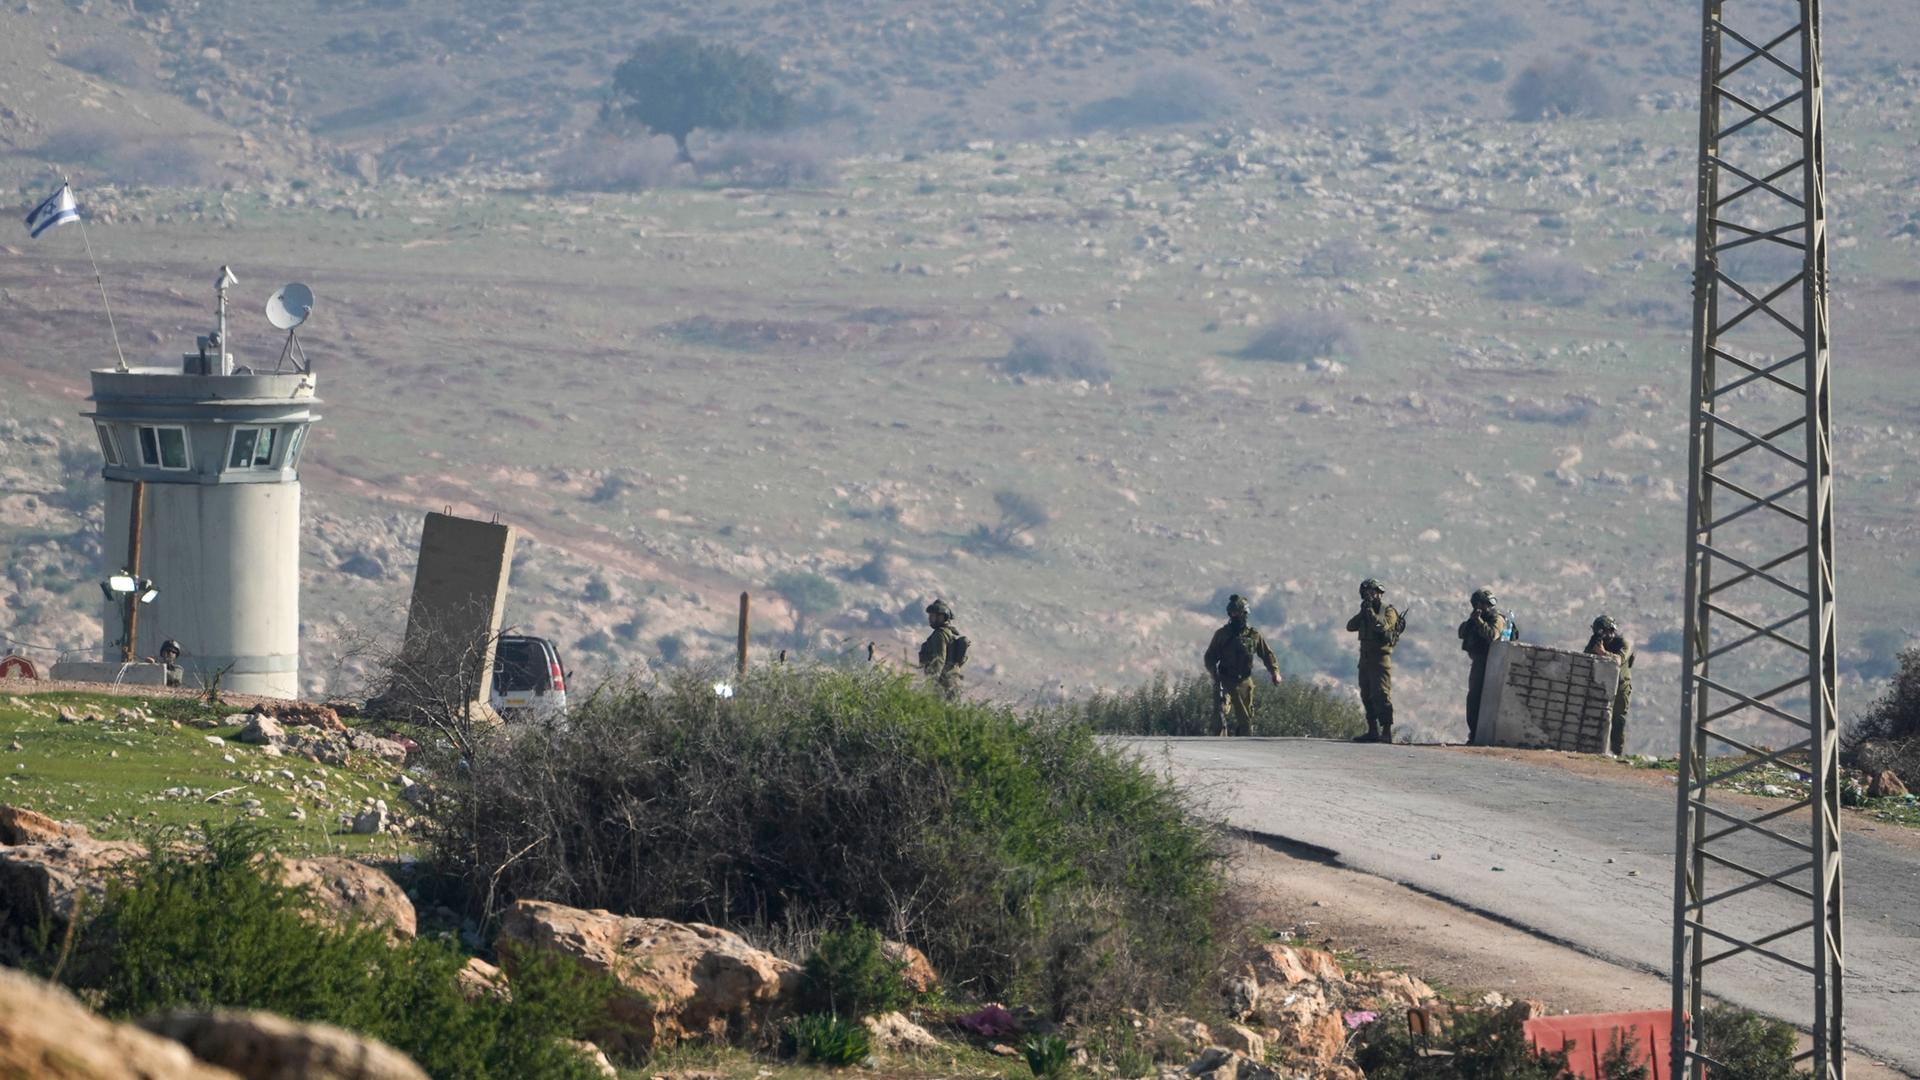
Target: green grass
{"points": [[124, 779], [955, 1060]]}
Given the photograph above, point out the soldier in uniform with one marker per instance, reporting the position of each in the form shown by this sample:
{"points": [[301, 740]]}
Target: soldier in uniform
{"points": [[945, 650], [1379, 627], [1229, 659], [1607, 640], [170, 658], [1484, 627]]}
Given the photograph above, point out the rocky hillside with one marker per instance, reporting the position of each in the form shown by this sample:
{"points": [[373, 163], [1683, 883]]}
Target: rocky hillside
{"points": [[221, 89]]}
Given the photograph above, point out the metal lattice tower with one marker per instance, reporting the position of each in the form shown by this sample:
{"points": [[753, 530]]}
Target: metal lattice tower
{"points": [[1751, 887]]}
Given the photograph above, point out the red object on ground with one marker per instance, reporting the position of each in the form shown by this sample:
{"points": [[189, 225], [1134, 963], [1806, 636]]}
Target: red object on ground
{"points": [[1594, 1034]]}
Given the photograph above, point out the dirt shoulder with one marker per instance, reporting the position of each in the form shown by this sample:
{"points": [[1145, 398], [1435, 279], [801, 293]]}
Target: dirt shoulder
{"points": [[1463, 954]]}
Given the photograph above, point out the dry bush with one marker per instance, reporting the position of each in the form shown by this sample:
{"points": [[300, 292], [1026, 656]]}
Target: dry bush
{"points": [[1059, 349], [1007, 847], [114, 63], [771, 161], [1339, 258], [1168, 94], [1562, 86], [121, 158], [1301, 336], [1543, 279], [605, 163]]}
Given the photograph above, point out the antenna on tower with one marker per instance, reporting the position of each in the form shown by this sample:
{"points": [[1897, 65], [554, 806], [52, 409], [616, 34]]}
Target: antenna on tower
{"points": [[287, 308]]}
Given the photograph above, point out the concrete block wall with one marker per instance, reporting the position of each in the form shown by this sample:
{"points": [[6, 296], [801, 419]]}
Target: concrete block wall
{"points": [[1555, 699], [459, 596]]}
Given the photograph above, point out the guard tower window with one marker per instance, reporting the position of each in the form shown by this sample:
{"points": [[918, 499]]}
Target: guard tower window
{"points": [[252, 448], [294, 442], [163, 448], [109, 446]]}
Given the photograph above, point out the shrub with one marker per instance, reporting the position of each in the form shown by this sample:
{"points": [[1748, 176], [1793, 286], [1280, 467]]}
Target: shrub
{"points": [[1748, 1046], [202, 927], [1546, 279], [1059, 350], [850, 974], [827, 1039], [814, 796], [81, 485], [605, 163], [1338, 258], [810, 595], [1478, 1045], [110, 62], [1302, 336], [1562, 86], [1762, 265], [131, 159], [1048, 1056], [772, 161], [1184, 705], [1168, 94], [1895, 714]]}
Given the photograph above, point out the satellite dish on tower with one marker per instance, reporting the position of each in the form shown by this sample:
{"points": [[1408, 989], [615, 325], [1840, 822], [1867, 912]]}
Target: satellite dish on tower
{"points": [[287, 308]]}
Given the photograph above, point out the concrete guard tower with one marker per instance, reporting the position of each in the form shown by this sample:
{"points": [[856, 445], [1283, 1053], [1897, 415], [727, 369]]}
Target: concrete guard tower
{"points": [[211, 450]]}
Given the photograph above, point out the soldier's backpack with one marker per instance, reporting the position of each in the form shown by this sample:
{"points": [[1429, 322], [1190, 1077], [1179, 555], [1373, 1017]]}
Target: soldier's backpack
{"points": [[1236, 660], [957, 646]]}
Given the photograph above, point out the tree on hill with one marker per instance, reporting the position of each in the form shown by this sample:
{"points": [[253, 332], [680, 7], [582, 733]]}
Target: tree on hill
{"points": [[675, 84], [809, 595]]}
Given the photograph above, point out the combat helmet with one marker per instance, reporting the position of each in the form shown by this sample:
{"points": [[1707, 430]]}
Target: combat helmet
{"points": [[1371, 585], [1236, 605], [170, 646], [1603, 624], [940, 608], [1483, 598]]}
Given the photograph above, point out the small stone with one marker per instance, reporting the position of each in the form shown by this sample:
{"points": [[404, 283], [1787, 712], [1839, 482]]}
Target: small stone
{"points": [[215, 740]]}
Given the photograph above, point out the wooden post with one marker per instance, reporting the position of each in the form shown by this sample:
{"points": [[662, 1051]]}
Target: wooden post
{"points": [[740, 663], [134, 513]]}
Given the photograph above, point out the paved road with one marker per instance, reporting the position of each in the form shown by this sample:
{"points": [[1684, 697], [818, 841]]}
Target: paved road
{"points": [[1581, 859]]}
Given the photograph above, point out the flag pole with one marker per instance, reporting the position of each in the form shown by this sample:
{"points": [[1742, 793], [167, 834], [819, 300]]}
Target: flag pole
{"points": [[81, 220]]}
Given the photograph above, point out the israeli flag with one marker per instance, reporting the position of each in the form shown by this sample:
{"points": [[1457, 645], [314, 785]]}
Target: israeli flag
{"points": [[57, 209]]}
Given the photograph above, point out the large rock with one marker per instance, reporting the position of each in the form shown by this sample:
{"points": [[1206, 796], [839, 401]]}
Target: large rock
{"points": [[1274, 963], [1887, 785], [303, 714], [353, 890], [677, 980], [915, 969], [262, 1046], [18, 825], [893, 1031], [41, 883], [1307, 1029], [262, 731], [388, 750], [478, 979], [1394, 990], [47, 1035]]}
